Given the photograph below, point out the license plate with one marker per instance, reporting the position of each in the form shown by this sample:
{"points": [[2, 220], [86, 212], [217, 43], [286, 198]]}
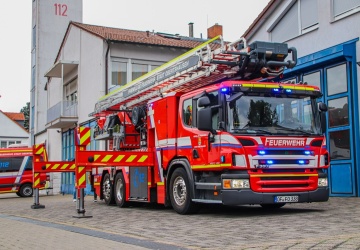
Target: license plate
{"points": [[283, 199]]}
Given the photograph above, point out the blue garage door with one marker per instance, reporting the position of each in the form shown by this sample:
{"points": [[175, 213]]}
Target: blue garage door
{"points": [[333, 70]]}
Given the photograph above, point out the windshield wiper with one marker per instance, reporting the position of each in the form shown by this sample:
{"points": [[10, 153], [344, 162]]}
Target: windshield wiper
{"points": [[251, 131], [294, 130]]}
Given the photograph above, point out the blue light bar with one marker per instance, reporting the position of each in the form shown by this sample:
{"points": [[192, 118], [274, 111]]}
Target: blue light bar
{"points": [[276, 90], [301, 161], [269, 162], [307, 152], [262, 152], [224, 90], [288, 90]]}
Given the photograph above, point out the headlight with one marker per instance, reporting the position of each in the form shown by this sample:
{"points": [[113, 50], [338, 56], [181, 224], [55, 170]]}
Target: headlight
{"points": [[236, 183], [322, 182]]}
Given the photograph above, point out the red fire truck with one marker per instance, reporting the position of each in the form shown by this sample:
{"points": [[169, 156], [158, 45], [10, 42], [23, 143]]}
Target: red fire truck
{"points": [[212, 127], [16, 172]]}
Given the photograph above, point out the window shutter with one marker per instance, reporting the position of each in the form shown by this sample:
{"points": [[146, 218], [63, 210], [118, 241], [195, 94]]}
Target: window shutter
{"points": [[341, 6], [309, 13], [287, 27]]}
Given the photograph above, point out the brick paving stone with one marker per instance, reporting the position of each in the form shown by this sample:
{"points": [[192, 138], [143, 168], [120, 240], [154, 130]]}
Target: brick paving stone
{"points": [[329, 225]]}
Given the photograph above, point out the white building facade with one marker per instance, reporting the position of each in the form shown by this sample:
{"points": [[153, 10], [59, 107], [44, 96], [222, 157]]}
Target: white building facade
{"points": [[326, 36]]}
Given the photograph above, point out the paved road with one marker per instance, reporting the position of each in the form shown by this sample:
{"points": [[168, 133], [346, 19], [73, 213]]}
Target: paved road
{"points": [[331, 225]]}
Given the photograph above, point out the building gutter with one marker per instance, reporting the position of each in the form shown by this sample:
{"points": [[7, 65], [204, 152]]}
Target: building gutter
{"points": [[107, 66]]}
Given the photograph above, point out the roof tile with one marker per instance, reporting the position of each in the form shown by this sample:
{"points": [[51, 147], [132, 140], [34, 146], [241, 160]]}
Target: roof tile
{"points": [[140, 37], [15, 116]]}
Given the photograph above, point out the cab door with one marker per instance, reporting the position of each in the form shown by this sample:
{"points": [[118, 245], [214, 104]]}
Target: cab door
{"points": [[204, 152]]}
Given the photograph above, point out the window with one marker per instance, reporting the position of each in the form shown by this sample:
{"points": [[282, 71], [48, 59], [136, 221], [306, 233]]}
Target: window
{"points": [[3, 144], [342, 8], [119, 73], [125, 70], [338, 112], [187, 111], [13, 164], [32, 119], [297, 19], [340, 144], [336, 79], [34, 37], [33, 74], [313, 79], [138, 70]]}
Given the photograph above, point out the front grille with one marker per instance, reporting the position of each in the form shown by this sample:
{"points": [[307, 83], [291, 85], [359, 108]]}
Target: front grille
{"points": [[286, 178], [285, 186]]}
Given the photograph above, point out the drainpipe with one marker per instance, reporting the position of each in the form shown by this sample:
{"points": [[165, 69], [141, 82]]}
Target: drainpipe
{"points": [[107, 74], [107, 67]]}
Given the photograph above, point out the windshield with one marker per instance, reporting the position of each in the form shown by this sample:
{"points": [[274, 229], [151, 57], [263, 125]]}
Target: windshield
{"points": [[295, 115]]}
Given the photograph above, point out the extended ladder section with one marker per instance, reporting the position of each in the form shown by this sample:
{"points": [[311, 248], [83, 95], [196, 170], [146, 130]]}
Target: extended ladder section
{"points": [[208, 63]]}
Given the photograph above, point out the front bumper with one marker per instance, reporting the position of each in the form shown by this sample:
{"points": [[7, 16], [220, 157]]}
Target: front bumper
{"points": [[247, 196]]}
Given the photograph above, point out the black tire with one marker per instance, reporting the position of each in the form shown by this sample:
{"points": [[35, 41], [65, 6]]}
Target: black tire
{"points": [[180, 193], [26, 190], [107, 190], [120, 190], [272, 206]]}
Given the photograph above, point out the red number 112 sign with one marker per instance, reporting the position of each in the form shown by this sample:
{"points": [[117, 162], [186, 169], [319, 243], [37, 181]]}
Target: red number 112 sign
{"points": [[60, 9]]}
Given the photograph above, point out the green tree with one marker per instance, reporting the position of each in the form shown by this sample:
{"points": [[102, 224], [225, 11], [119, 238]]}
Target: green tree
{"points": [[26, 111]]}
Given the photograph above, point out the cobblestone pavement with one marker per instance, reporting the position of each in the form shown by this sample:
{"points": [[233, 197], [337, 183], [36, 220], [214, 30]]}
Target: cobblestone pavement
{"points": [[330, 225]]}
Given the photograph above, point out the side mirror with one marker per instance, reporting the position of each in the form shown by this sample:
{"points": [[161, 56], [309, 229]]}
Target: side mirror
{"points": [[322, 107], [204, 119], [204, 102]]}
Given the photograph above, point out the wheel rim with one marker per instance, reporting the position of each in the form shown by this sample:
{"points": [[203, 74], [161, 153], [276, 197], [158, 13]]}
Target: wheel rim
{"points": [[179, 191], [119, 189], [27, 191], [106, 188]]}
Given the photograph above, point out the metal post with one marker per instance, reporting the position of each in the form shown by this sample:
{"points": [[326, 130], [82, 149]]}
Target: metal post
{"points": [[36, 204], [80, 208]]}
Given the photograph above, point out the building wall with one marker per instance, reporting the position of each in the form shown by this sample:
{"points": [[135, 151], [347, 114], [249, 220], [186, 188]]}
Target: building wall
{"points": [[91, 78], [50, 20]]}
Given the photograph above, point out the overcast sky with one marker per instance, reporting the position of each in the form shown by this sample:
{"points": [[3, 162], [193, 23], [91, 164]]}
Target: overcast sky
{"points": [[159, 15]]}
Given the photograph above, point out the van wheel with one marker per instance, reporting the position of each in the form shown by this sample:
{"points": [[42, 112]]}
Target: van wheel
{"points": [[107, 190], [120, 191], [180, 193], [26, 190]]}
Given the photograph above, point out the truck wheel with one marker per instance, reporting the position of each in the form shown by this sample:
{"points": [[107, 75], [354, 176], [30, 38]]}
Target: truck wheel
{"points": [[272, 206], [180, 193], [120, 190], [107, 190], [26, 190]]}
